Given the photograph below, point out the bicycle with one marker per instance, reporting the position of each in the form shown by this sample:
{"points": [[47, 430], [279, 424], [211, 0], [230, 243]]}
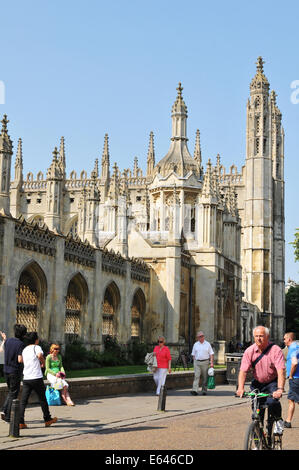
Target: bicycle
{"points": [[256, 438]]}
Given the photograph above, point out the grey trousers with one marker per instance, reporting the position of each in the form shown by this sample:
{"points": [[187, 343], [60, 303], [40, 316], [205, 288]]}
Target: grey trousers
{"points": [[200, 370]]}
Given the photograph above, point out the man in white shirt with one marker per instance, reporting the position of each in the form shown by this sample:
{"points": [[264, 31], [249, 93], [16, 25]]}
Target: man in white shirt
{"points": [[203, 358], [33, 359]]}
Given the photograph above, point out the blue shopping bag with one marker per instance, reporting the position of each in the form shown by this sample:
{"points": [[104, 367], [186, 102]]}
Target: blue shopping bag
{"points": [[53, 396]]}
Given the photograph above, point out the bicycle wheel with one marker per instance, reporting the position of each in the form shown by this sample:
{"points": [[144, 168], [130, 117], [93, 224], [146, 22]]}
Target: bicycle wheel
{"points": [[253, 439]]}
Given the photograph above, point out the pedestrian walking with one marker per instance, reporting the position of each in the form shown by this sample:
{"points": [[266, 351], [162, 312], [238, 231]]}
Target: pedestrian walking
{"points": [[203, 358], [13, 366], [268, 364], [33, 359], [163, 356], [292, 374], [55, 373]]}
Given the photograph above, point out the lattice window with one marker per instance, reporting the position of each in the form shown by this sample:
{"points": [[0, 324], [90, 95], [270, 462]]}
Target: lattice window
{"points": [[27, 302], [108, 319], [257, 124], [193, 219], [72, 316], [74, 228], [72, 323], [135, 321], [257, 145]]}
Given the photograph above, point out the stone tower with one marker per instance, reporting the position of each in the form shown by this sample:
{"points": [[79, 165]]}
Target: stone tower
{"points": [[263, 221]]}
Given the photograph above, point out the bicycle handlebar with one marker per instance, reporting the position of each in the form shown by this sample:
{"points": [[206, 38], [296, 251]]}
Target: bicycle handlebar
{"points": [[253, 394]]}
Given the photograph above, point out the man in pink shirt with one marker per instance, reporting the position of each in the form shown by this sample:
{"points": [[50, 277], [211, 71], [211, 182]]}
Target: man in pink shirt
{"points": [[268, 373]]}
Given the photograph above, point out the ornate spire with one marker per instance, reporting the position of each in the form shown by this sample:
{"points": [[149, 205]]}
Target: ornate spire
{"points": [[150, 155], [208, 183], [178, 158], [106, 159], [4, 122], [19, 155], [55, 171], [135, 169], [62, 152], [197, 152], [95, 171], [259, 82], [216, 185], [5, 141], [260, 65], [19, 165], [179, 105], [230, 201], [114, 183]]}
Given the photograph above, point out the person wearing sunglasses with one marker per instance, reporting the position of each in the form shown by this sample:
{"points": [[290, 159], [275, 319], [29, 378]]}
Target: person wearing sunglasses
{"points": [[55, 374], [163, 357]]}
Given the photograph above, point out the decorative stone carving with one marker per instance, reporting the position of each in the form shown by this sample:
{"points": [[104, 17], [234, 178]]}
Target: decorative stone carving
{"points": [[79, 252], [31, 236], [113, 262]]}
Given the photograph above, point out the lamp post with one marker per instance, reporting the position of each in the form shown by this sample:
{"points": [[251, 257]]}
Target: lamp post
{"points": [[244, 317]]}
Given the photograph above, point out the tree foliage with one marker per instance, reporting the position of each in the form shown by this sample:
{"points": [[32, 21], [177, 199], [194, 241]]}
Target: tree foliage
{"points": [[295, 244], [292, 310]]}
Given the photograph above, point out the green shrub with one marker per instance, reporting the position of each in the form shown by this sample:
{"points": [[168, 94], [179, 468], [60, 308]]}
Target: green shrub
{"points": [[76, 356], [137, 351], [75, 353]]}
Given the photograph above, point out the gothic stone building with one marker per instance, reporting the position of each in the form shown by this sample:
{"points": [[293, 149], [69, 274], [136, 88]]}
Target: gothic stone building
{"points": [[178, 248]]}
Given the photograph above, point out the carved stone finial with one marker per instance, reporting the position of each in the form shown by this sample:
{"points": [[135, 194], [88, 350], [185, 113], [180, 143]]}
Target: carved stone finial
{"points": [[4, 122], [260, 64], [55, 153]]}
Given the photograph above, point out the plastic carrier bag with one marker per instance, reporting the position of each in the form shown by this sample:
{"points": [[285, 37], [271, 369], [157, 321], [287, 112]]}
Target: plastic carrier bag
{"points": [[53, 396], [211, 382]]}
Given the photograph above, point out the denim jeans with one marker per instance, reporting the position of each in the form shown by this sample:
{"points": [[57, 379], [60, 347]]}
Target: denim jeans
{"points": [[13, 382], [274, 406], [39, 387]]}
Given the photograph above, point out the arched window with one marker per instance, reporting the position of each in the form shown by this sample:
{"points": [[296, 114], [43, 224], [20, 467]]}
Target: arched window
{"points": [[110, 307], [30, 296], [137, 314], [75, 303]]}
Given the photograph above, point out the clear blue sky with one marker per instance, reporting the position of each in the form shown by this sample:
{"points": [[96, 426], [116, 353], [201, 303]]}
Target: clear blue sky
{"points": [[81, 69]]}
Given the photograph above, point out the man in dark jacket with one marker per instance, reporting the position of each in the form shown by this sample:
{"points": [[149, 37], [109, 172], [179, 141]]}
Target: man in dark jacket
{"points": [[13, 367]]}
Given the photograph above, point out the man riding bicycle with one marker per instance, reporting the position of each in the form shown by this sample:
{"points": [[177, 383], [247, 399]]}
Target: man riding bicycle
{"points": [[268, 364]]}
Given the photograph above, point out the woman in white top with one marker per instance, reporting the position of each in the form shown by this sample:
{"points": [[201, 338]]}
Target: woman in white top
{"points": [[33, 359]]}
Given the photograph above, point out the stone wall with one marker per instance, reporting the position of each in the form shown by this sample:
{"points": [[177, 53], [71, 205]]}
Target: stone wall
{"points": [[93, 387]]}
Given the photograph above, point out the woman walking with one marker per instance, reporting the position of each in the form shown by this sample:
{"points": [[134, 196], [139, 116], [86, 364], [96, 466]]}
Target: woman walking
{"points": [[163, 357]]}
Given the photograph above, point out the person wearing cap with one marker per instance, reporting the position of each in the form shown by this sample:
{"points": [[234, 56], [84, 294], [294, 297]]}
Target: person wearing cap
{"points": [[203, 358]]}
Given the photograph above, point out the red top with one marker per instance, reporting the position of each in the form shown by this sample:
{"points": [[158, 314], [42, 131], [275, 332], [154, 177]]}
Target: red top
{"points": [[163, 356], [266, 369]]}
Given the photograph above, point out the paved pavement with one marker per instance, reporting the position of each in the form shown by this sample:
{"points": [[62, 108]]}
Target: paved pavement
{"points": [[100, 414], [91, 415]]}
